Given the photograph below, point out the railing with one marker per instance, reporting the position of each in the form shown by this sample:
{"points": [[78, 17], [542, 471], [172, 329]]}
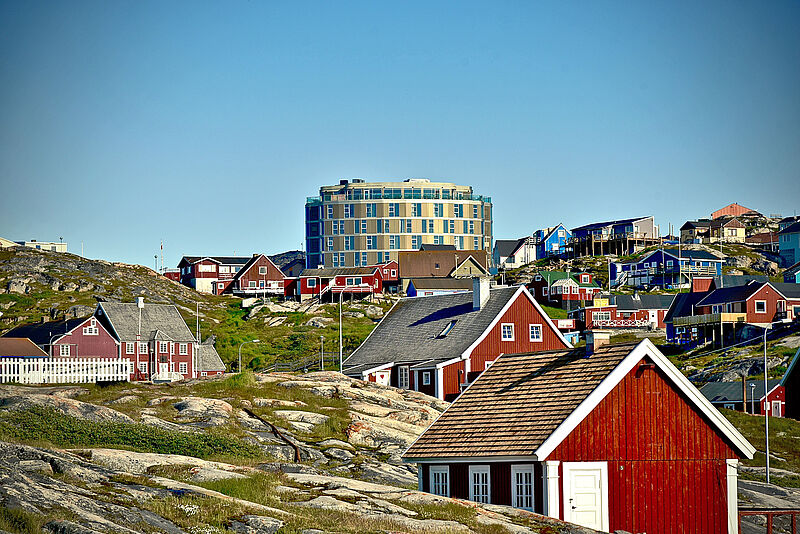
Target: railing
{"points": [[607, 237], [710, 318], [770, 515], [64, 370], [621, 323]]}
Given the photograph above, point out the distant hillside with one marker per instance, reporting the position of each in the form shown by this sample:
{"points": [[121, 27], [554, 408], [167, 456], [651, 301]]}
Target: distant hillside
{"points": [[285, 258], [36, 285]]}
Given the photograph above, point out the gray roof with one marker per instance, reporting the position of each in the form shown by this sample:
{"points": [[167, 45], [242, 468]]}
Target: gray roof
{"points": [[209, 359], [159, 321], [433, 246], [791, 229], [732, 391], [730, 294], [507, 247], [788, 290], [224, 260], [643, 302], [683, 305], [732, 280], [410, 332], [597, 225], [42, 333], [338, 271]]}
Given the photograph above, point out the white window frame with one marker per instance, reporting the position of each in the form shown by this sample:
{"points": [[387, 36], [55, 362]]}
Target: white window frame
{"points": [[584, 278], [535, 339], [763, 303], [596, 316], [183, 348], [515, 495], [503, 336], [403, 377], [262, 269], [142, 367], [545, 291], [251, 284], [64, 349], [130, 348], [473, 495], [426, 378], [142, 348], [575, 290], [443, 485], [183, 367], [163, 347], [311, 282]]}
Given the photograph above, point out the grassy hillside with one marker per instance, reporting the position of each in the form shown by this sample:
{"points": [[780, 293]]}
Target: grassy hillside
{"points": [[37, 285]]}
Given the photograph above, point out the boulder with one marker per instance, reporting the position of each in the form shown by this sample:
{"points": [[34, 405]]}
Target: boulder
{"points": [[203, 411], [261, 402], [311, 418], [373, 312], [339, 454], [319, 322], [78, 310], [256, 524], [354, 314], [71, 407], [18, 286]]}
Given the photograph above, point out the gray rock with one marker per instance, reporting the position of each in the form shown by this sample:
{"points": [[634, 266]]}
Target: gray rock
{"points": [[256, 524], [339, 454], [204, 412], [319, 322], [68, 527], [71, 407], [310, 418], [335, 443], [18, 286]]}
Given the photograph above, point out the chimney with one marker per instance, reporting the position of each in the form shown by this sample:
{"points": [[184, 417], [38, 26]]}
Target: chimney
{"points": [[596, 339], [140, 302], [480, 292]]}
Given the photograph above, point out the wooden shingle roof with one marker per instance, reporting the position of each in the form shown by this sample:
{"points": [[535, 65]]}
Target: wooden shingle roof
{"points": [[517, 403]]}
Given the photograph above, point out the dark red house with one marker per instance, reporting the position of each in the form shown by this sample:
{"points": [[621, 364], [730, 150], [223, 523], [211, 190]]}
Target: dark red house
{"points": [[202, 273], [438, 344], [327, 284], [609, 437], [750, 398], [258, 276], [73, 338], [624, 311]]}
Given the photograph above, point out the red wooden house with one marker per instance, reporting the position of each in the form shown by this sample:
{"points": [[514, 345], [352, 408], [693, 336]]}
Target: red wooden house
{"points": [[624, 311], [559, 287], [611, 438], [203, 272], [390, 275], [438, 344], [153, 336], [258, 276], [74, 338], [327, 284], [750, 398]]}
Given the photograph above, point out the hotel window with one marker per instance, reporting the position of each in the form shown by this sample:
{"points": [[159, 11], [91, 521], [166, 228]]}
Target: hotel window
{"points": [[416, 209], [394, 209], [440, 480], [476, 243], [474, 211], [63, 350], [761, 306], [349, 242], [330, 212], [438, 210], [452, 226], [130, 348], [371, 242], [479, 483], [183, 367], [408, 226], [416, 242], [402, 377], [522, 486], [394, 241], [372, 209], [461, 242], [438, 240], [363, 258], [360, 226], [507, 332], [341, 259], [349, 209], [458, 210], [535, 332], [471, 227], [330, 243]]}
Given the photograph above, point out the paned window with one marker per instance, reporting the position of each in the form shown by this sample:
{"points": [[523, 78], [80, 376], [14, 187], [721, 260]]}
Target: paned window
{"points": [[130, 348], [330, 212], [349, 210], [330, 243], [262, 269], [761, 306], [479, 483], [416, 242], [416, 209], [142, 348], [601, 316], [163, 347], [458, 210], [522, 486], [440, 480], [183, 367], [91, 329], [372, 210], [183, 348], [402, 377], [394, 209], [535, 331], [349, 242], [476, 243], [371, 242], [426, 378], [408, 226], [438, 240], [438, 210], [474, 211], [63, 350], [143, 367], [312, 282], [507, 332]]}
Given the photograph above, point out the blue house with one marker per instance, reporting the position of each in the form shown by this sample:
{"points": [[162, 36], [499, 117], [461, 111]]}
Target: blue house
{"points": [[789, 243], [665, 267], [552, 241], [638, 227], [792, 274]]}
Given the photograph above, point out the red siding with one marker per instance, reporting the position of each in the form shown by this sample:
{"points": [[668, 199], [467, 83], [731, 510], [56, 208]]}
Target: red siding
{"points": [[663, 457], [101, 345], [522, 313], [452, 379], [252, 275], [430, 389], [777, 394], [771, 297]]}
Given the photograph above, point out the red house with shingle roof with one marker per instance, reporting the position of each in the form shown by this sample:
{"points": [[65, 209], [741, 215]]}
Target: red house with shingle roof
{"points": [[611, 438]]}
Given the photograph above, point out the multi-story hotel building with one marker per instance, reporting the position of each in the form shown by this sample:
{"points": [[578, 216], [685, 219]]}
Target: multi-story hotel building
{"points": [[357, 223]]}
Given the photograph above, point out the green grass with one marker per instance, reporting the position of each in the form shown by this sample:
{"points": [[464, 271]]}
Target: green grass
{"points": [[555, 313], [37, 425]]}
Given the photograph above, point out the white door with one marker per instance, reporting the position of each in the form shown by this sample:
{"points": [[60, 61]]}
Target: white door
{"points": [[382, 377], [586, 494], [163, 368], [776, 408], [654, 317]]}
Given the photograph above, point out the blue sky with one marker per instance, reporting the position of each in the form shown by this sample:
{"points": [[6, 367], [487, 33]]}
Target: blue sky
{"points": [[206, 124]]}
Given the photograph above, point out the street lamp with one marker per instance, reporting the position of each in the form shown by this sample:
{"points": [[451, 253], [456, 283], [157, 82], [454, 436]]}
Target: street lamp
{"points": [[240, 351], [52, 351], [321, 353], [752, 398], [766, 399]]}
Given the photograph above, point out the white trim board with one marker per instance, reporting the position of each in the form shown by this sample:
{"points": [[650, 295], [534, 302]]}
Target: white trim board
{"points": [[645, 348]]}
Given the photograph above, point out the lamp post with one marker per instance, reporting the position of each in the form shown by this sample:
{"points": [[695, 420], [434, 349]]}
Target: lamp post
{"points": [[341, 292], [240, 351], [321, 353], [766, 400], [52, 352], [752, 398]]}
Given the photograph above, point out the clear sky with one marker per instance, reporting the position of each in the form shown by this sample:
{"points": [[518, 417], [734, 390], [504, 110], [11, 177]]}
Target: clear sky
{"points": [[208, 123]]}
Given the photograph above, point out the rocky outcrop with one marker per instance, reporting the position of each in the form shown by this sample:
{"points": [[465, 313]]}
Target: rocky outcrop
{"points": [[72, 407]]}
